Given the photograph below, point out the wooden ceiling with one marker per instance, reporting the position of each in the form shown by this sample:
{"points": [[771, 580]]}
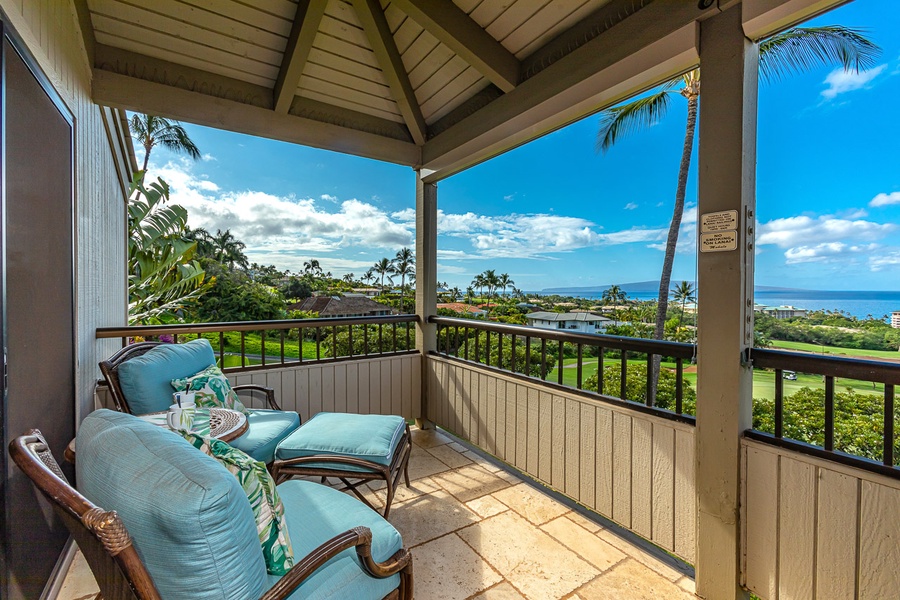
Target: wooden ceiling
{"points": [[433, 84]]}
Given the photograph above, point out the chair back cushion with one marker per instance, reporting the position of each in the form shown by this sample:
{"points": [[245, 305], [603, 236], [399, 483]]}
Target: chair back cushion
{"points": [[191, 522], [146, 380]]}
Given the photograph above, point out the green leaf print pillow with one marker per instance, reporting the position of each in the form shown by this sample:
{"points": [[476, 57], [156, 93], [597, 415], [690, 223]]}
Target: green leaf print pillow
{"points": [[211, 388], [264, 500]]}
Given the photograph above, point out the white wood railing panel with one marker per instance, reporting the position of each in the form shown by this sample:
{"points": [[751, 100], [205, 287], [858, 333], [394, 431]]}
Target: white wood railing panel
{"points": [[631, 467], [813, 528]]}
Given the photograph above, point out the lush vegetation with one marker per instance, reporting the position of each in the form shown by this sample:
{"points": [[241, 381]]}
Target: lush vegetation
{"points": [[832, 328]]}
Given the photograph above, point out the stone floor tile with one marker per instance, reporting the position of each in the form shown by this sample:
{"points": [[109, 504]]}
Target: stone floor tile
{"points": [[503, 591], [688, 584], [428, 517], [629, 580], [486, 506], [428, 438], [423, 464], [416, 488], [457, 446], [587, 545], [537, 565], [450, 457], [580, 519], [640, 555], [531, 503], [470, 482], [376, 499], [79, 583], [448, 569], [482, 462]]}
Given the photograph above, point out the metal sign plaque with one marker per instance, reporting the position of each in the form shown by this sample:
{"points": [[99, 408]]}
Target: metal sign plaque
{"points": [[722, 241], [726, 220]]}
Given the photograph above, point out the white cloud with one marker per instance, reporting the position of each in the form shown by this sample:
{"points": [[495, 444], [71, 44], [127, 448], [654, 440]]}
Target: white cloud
{"points": [[824, 252], [631, 206], [884, 260], [840, 81], [267, 223], [885, 199], [803, 231], [208, 157]]}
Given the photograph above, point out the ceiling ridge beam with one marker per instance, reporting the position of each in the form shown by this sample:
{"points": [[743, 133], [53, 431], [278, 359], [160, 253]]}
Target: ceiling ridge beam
{"points": [[453, 27], [377, 30], [303, 32]]}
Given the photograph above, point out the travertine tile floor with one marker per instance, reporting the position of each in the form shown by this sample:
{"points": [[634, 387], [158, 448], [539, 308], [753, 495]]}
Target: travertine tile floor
{"points": [[478, 532]]}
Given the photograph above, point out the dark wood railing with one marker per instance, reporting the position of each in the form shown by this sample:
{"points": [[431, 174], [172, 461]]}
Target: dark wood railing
{"points": [[533, 353], [324, 340], [830, 368]]}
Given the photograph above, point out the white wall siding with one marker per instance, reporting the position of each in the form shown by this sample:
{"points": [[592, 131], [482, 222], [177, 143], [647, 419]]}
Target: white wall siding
{"points": [[817, 529], [51, 32], [633, 468]]}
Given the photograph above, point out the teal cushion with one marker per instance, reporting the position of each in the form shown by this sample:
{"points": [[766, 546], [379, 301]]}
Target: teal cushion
{"points": [[368, 437], [146, 380], [316, 513], [191, 522], [265, 428]]}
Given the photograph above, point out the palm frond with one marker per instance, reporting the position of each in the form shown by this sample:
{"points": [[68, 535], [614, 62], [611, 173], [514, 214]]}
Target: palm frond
{"points": [[620, 121], [802, 48]]}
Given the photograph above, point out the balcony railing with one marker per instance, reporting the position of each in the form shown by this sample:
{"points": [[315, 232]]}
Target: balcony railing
{"points": [[257, 345], [533, 353], [850, 419]]}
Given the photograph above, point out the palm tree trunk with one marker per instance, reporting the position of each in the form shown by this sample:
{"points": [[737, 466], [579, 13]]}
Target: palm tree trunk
{"points": [[665, 278]]}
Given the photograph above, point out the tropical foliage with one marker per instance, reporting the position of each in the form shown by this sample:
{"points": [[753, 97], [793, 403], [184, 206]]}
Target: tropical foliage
{"points": [[163, 277]]}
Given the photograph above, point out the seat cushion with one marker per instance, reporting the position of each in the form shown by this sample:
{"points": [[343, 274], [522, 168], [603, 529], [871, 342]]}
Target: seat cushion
{"points": [[265, 428], [190, 520], [367, 437], [146, 379], [258, 485], [316, 513]]}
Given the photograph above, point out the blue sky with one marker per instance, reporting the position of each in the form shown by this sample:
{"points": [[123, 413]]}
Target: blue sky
{"points": [[556, 213]]}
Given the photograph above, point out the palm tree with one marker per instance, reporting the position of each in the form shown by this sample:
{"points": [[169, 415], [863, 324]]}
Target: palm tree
{"points": [[229, 250], [312, 268], [454, 294], [404, 264], [684, 292], [612, 296], [470, 294], [479, 283], [368, 276], [504, 282], [150, 131], [348, 278], [382, 268], [795, 50], [491, 282]]}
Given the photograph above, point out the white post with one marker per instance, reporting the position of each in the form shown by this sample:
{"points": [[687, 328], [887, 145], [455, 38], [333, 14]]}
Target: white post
{"points": [[426, 282], [727, 178]]}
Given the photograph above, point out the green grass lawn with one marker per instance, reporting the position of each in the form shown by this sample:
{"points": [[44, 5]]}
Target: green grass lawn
{"points": [[835, 350]]}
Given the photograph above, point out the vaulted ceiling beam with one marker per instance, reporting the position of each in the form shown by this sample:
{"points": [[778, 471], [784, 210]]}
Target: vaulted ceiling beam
{"points": [[649, 46], [453, 27], [303, 32], [377, 30]]}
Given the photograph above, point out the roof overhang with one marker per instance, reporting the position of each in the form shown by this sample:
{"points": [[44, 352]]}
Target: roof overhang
{"points": [[437, 86]]}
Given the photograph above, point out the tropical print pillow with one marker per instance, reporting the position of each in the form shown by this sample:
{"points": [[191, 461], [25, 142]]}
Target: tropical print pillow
{"points": [[211, 388], [264, 500]]}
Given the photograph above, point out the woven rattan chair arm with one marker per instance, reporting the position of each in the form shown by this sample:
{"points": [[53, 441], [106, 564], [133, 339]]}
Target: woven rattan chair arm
{"points": [[252, 387], [356, 537]]}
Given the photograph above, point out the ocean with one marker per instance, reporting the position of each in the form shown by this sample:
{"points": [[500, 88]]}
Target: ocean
{"points": [[859, 304]]}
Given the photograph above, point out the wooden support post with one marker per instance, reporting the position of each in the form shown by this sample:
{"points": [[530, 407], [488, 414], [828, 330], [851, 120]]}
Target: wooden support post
{"points": [[426, 283], [727, 178]]}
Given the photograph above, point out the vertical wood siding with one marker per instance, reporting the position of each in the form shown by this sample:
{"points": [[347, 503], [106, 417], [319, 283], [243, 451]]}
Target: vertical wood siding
{"points": [[816, 529], [387, 386], [51, 33], [632, 468]]}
